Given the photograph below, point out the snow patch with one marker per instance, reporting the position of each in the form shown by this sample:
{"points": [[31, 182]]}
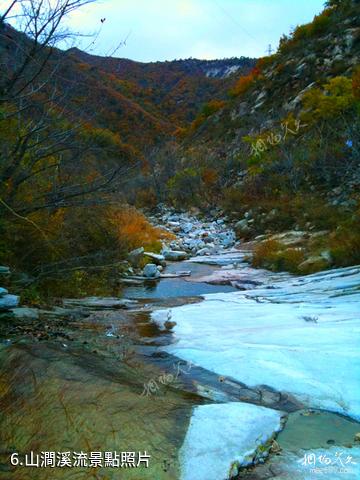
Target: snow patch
{"points": [[220, 434]]}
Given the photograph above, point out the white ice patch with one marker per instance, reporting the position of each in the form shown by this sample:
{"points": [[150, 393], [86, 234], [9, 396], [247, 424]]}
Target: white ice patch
{"points": [[301, 337], [220, 434]]}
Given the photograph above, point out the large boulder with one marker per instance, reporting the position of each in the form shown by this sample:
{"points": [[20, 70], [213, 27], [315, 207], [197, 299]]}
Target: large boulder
{"points": [[151, 271], [175, 255], [242, 227], [316, 263], [156, 258], [135, 256], [26, 313], [7, 302]]}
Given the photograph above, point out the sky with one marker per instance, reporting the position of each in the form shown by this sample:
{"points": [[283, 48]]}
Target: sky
{"points": [[172, 29]]}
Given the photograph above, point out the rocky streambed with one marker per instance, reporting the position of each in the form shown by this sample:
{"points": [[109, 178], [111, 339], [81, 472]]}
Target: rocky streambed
{"points": [[226, 372]]}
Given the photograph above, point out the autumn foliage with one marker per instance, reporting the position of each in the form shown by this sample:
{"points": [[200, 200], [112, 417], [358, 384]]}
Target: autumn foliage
{"points": [[133, 230], [244, 83]]}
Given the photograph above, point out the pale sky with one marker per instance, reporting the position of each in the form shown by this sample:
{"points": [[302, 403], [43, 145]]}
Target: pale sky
{"points": [[173, 29]]}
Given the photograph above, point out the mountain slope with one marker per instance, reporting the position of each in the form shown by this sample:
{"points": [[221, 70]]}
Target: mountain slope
{"points": [[283, 152], [175, 90]]}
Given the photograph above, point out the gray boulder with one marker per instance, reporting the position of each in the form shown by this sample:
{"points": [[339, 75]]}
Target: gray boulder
{"points": [[187, 227], [135, 256], [156, 258], [242, 227], [203, 251], [7, 302], [175, 255], [26, 313], [151, 271]]}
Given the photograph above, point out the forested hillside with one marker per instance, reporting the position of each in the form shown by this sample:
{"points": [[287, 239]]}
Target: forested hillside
{"points": [[283, 151], [86, 141]]}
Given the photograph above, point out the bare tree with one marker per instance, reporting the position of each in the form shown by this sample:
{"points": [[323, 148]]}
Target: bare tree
{"points": [[44, 140]]}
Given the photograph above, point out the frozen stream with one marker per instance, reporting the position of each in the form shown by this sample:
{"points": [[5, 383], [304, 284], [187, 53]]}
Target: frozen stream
{"points": [[299, 335], [258, 383]]}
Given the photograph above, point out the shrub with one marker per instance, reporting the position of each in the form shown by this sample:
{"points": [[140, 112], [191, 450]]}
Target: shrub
{"points": [[243, 85], [356, 83], [272, 255], [133, 230], [208, 109], [264, 254], [184, 187], [336, 99], [345, 243]]}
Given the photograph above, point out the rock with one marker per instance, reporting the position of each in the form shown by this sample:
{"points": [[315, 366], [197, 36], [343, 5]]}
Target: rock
{"points": [[291, 238], [169, 324], [160, 268], [241, 224], [275, 447], [208, 239], [326, 255], [100, 303], [338, 58], [314, 263], [194, 244], [135, 256], [242, 227], [203, 251], [261, 96], [175, 255], [7, 302], [227, 239], [157, 258], [183, 273], [151, 271], [3, 292], [131, 281], [187, 227], [4, 270], [26, 313], [357, 437], [173, 224]]}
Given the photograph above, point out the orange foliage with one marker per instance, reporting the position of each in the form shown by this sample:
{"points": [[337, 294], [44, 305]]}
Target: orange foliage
{"points": [[135, 231], [244, 83], [209, 176]]}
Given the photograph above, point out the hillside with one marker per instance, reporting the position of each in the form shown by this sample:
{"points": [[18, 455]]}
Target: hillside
{"points": [[141, 102], [174, 90], [274, 143], [283, 151]]}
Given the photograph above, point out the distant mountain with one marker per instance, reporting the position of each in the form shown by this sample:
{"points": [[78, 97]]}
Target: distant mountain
{"points": [[175, 89]]}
